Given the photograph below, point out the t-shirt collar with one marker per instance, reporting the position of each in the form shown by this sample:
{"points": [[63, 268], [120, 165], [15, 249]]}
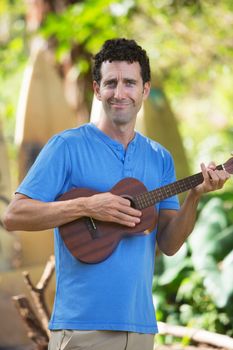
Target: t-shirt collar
{"points": [[114, 144]]}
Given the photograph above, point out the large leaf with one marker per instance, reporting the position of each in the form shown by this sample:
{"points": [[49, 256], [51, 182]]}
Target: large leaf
{"points": [[173, 265], [223, 243], [211, 222], [227, 273]]}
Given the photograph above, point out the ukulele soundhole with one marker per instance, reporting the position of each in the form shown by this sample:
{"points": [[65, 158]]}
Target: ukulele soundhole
{"points": [[132, 200], [92, 228]]}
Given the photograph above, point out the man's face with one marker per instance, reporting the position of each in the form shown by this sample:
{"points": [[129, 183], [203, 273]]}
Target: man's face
{"points": [[121, 91]]}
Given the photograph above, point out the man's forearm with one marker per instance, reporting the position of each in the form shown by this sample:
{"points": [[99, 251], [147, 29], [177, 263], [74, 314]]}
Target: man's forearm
{"points": [[32, 215], [173, 235]]}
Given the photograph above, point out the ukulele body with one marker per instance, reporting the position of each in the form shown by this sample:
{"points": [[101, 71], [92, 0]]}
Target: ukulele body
{"points": [[92, 241]]}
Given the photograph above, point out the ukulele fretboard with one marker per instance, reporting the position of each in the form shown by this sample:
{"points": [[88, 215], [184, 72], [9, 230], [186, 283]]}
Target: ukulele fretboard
{"points": [[148, 199]]}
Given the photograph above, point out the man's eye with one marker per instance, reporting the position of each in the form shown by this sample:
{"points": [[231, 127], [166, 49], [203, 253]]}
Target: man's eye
{"points": [[110, 83], [130, 83]]}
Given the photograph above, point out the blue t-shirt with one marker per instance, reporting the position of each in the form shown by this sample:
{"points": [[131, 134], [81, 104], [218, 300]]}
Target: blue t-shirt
{"points": [[115, 294]]}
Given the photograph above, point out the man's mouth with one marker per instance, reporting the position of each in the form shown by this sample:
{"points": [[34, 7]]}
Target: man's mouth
{"points": [[119, 104]]}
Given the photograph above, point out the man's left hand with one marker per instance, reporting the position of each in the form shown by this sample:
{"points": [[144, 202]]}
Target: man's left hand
{"points": [[213, 179]]}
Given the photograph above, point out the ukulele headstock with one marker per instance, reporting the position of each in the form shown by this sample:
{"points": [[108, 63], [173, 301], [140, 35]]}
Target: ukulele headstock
{"points": [[228, 166]]}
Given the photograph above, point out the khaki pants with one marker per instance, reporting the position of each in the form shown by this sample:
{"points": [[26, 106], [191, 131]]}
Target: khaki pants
{"points": [[100, 340]]}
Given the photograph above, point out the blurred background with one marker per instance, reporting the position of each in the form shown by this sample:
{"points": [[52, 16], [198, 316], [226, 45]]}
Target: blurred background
{"points": [[46, 48]]}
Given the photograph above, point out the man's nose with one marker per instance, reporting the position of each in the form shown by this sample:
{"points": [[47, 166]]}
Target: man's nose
{"points": [[119, 91]]}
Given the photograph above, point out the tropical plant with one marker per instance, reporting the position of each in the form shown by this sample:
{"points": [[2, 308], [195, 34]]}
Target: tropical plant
{"points": [[194, 287]]}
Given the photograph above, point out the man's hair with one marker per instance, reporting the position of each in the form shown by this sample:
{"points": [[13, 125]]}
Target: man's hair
{"points": [[121, 50]]}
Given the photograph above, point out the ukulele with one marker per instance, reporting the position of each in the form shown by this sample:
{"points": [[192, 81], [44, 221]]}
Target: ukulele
{"points": [[92, 241]]}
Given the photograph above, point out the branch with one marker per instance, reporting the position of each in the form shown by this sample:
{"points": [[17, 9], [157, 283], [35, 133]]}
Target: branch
{"points": [[35, 330], [38, 292], [47, 274], [197, 335]]}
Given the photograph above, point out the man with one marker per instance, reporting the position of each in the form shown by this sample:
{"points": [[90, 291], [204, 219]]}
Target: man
{"points": [[107, 305]]}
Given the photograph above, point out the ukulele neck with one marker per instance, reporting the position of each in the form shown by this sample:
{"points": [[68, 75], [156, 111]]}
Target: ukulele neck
{"points": [[147, 199]]}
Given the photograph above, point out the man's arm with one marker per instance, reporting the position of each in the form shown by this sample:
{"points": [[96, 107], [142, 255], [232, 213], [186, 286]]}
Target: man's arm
{"points": [[28, 214], [175, 226]]}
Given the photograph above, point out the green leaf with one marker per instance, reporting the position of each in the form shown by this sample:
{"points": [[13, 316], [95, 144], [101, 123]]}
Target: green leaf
{"points": [[211, 222], [173, 265], [227, 273]]}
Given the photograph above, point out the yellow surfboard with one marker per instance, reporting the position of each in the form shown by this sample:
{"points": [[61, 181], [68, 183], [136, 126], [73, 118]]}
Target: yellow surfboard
{"points": [[7, 242], [42, 109], [42, 112]]}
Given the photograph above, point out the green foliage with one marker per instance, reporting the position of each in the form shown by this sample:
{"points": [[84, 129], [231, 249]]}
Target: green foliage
{"points": [[194, 287], [86, 25], [12, 40], [13, 56]]}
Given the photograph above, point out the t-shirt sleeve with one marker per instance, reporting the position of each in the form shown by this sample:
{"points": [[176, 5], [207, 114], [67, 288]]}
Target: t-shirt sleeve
{"points": [[169, 176], [49, 176]]}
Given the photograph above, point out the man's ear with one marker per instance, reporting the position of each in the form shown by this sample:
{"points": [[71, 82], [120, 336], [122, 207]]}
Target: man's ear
{"points": [[146, 90], [96, 89]]}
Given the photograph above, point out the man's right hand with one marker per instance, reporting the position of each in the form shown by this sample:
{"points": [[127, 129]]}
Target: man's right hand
{"points": [[112, 208]]}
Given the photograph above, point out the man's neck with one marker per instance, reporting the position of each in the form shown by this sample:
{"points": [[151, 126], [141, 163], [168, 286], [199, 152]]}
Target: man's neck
{"points": [[121, 133]]}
